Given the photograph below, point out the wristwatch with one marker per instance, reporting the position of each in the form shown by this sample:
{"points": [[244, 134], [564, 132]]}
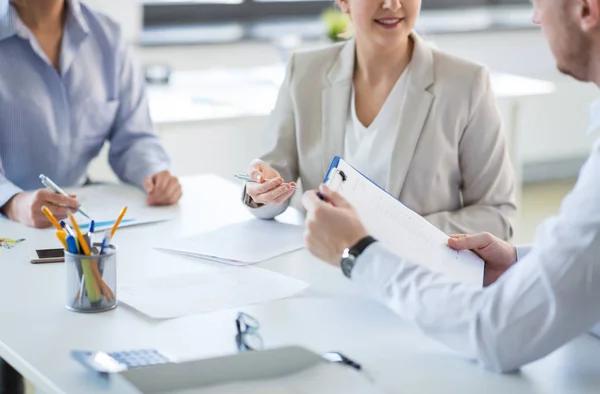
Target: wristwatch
{"points": [[351, 254]]}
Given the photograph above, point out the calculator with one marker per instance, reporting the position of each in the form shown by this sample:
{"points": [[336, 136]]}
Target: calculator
{"points": [[116, 362]]}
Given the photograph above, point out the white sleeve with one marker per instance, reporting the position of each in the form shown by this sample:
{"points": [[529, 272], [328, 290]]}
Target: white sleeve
{"points": [[265, 212], [548, 298], [522, 251]]}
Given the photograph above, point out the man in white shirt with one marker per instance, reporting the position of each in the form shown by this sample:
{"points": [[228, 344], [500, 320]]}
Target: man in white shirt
{"points": [[534, 300]]}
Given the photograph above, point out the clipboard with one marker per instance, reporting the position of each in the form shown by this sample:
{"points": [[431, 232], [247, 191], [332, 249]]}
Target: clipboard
{"points": [[400, 229]]}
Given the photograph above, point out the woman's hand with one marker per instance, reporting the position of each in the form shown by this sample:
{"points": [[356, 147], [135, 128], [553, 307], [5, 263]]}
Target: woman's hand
{"points": [[269, 187]]}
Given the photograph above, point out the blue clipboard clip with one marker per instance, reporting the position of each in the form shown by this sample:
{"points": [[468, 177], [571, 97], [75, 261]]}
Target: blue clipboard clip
{"points": [[333, 169]]}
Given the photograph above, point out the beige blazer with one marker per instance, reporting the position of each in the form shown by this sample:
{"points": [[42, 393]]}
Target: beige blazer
{"points": [[450, 162]]}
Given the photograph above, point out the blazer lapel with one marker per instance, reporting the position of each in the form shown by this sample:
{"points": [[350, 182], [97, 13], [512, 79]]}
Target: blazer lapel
{"points": [[336, 103], [415, 111]]}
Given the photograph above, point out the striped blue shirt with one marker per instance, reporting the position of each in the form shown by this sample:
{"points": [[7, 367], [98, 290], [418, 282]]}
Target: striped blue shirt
{"points": [[55, 122]]}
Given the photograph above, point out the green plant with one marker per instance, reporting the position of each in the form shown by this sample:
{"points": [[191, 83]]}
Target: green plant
{"points": [[338, 24]]}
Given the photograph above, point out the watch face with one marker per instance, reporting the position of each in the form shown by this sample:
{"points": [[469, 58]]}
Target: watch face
{"points": [[348, 264]]}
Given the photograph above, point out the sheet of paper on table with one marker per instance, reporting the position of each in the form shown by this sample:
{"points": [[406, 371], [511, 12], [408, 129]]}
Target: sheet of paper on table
{"points": [[211, 287], [104, 203], [243, 243]]}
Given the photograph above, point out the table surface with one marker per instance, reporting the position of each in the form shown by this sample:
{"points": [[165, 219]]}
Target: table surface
{"points": [[37, 332], [232, 93]]}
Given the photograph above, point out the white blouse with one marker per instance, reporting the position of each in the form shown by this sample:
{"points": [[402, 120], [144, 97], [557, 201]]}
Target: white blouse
{"points": [[369, 149]]}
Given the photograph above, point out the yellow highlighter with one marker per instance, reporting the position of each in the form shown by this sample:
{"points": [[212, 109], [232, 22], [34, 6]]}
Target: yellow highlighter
{"points": [[62, 237], [51, 217]]}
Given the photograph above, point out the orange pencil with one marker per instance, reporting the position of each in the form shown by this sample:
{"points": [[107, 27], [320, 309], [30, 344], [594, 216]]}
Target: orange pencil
{"points": [[116, 225], [93, 287], [82, 242], [51, 217]]}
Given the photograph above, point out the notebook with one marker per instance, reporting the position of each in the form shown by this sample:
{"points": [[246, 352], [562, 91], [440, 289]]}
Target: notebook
{"points": [[103, 202], [400, 229]]}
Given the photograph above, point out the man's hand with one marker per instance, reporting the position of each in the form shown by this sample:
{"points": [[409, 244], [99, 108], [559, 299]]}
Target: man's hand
{"points": [[26, 208], [332, 225], [497, 254], [162, 188]]}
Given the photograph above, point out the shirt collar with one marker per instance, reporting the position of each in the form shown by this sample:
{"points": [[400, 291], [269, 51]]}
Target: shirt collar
{"points": [[7, 26], [594, 117], [74, 10], [10, 23]]}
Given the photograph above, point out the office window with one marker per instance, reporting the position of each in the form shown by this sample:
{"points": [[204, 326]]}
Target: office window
{"points": [[171, 12], [196, 21]]}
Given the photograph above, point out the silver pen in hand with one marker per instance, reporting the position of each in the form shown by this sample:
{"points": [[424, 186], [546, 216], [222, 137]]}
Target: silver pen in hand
{"points": [[247, 178], [54, 187]]}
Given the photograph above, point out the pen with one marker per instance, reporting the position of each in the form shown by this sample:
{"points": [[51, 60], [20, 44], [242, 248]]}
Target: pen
{"points": [[51, 217], [247, 178], [54, 187], [92, 226], [103, 245], [72, 248], [67, 228], [72, 245]]}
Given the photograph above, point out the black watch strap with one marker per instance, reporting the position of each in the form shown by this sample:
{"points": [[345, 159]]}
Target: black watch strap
{"points": [[361, 245]]}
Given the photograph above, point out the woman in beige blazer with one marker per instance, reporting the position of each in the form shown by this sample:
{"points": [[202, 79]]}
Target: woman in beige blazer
{"points": [[423, 123]]}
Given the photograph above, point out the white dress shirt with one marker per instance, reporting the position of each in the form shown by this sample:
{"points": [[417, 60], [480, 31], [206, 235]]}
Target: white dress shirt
{"points": [[368, 149], [550, 296]]}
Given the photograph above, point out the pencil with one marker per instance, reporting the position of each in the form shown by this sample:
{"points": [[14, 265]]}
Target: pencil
{"points": [[116, 225], [93, 287], [82, 242], [51, 217]]}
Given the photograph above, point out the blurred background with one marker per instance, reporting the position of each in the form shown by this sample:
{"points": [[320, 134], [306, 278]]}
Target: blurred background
{"points": [[214, 68]]}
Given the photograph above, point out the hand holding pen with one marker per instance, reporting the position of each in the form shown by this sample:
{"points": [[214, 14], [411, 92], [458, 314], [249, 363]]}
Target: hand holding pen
{"points": [[267, 186], [54, 187], [26, 207]]}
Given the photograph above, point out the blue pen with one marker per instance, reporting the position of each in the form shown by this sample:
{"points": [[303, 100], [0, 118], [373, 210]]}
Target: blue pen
{"points": [[105, 241], [68, 230], [72, 245], [103, 245], [92, 226]]}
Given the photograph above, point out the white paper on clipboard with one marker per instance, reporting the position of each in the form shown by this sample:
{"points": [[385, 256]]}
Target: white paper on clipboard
{"points": [[400, 229]]}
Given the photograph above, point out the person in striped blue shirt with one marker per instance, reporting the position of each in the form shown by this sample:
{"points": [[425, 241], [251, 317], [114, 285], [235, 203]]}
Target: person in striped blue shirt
{"points": [[67, 85]]}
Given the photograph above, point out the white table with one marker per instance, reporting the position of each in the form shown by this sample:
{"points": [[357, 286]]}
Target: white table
{"points": [[37, 332]]}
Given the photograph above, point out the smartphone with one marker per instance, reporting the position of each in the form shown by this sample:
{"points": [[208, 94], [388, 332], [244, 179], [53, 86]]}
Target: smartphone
{"points": [[41, 256]]}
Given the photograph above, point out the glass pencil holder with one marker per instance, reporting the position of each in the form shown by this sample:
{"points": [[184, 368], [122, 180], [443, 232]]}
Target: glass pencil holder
{"points": [[92, 281]]}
